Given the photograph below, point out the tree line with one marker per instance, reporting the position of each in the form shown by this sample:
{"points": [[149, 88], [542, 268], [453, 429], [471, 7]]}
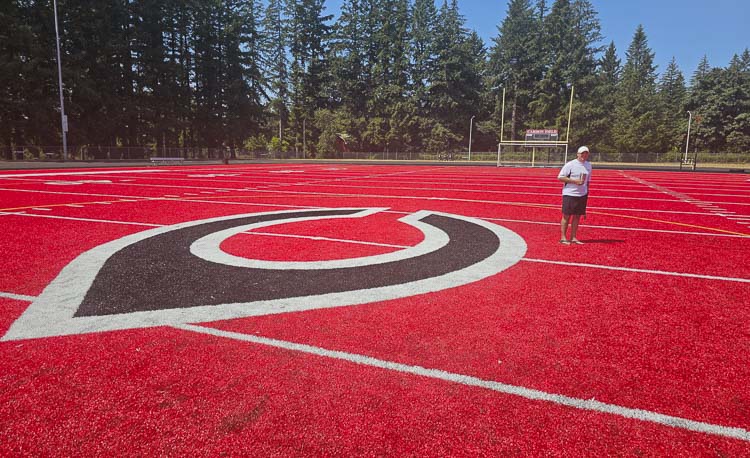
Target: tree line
{"points": [[386, 75]]}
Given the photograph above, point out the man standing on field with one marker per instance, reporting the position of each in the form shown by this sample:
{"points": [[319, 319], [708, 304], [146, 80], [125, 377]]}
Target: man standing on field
{"points": [[576, 175]]}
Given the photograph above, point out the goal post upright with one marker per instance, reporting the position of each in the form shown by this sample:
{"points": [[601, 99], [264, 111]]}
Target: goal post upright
{"points": [[542, 138], [570, 115]]}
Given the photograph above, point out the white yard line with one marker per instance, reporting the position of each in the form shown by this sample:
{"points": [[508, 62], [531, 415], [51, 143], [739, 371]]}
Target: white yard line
{"points": [[643, 271], [89, 220], [471, 381], [52, 174]]}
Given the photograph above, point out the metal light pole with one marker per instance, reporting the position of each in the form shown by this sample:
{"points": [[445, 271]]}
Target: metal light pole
{"points": [[63, 118], [687, 140], [471, 128]]}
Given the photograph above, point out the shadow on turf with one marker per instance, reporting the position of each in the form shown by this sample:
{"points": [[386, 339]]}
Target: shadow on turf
{"points": [[602, 241]]}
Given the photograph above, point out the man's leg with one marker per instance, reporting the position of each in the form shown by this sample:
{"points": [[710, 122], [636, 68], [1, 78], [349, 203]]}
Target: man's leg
{"points": [[564, 227], [574, 227]]}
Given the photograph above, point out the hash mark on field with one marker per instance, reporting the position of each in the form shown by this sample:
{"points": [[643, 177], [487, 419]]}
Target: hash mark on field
{"points": [[710, 206], [467, 380], [18, 297]]}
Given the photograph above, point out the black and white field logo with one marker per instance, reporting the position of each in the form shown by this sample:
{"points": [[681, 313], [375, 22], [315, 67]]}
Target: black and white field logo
{"points": [[178, 274]]}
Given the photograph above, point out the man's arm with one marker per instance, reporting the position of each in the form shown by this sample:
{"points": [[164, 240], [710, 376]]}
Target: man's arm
{"points": [[567, 180]]}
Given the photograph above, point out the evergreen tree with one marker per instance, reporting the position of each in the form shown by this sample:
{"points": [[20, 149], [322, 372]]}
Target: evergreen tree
{"points": [[720, 101], [604, 97], [456, 86], [701, 71], [347, 59], [308, 38], [387, 105], [738, 97], [243, 87], [13, 58], [276, 65], [422, 52], [422, 47], [208, 124], [515, 64], [638, 126], [673, 96], [572, 32], [34, 111]]}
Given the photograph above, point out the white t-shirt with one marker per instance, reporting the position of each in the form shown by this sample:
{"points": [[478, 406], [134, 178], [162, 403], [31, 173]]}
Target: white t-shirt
{"points": [[574, 169]]}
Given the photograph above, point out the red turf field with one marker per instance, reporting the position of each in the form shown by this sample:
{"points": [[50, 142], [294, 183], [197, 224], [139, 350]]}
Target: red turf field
{"points": [[635, 343]]}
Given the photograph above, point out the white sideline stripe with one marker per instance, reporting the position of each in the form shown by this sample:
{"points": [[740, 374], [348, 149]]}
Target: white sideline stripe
{"points": [[42, 209], [50, 174], [91, 220], [618, 228], [20, 297], [646, 271], [447, 199], [467, 380], [146, 198]]}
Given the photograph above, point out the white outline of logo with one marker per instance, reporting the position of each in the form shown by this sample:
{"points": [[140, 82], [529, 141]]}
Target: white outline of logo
{"points": [[52, 313]]}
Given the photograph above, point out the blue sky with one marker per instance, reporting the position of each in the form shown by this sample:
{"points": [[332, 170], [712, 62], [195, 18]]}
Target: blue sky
{"points": [[685, 29]]}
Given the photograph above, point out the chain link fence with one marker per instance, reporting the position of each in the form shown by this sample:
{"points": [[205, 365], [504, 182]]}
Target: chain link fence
{"points": [[519, 156]]}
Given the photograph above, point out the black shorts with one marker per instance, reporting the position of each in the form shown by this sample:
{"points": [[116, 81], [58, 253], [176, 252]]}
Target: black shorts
{"points": [[573, 205]]}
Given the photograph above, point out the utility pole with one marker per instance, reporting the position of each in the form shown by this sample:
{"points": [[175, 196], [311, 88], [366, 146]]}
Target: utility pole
{"points": [[687, 140], [63, 118], [471, 128]]}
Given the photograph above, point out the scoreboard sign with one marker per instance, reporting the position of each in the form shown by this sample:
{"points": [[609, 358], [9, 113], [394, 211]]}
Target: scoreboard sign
{"points": [[541, 135]]}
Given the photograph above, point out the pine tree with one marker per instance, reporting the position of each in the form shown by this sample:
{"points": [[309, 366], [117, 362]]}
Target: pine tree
{"points": [[347, 59], [455, 90], [572, 32], [721, 103], [424, 18], [422, 48], [15, 57], [387, 104], [207, 123], [308, 39], [738, 126], [604, 96], [673, 96], [276, 65], [701, 71], [638, 126], [515, 63], [243, 81]]}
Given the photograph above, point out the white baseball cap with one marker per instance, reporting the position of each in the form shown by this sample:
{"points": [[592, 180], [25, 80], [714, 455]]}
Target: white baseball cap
{"points": [[583, 149]]}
